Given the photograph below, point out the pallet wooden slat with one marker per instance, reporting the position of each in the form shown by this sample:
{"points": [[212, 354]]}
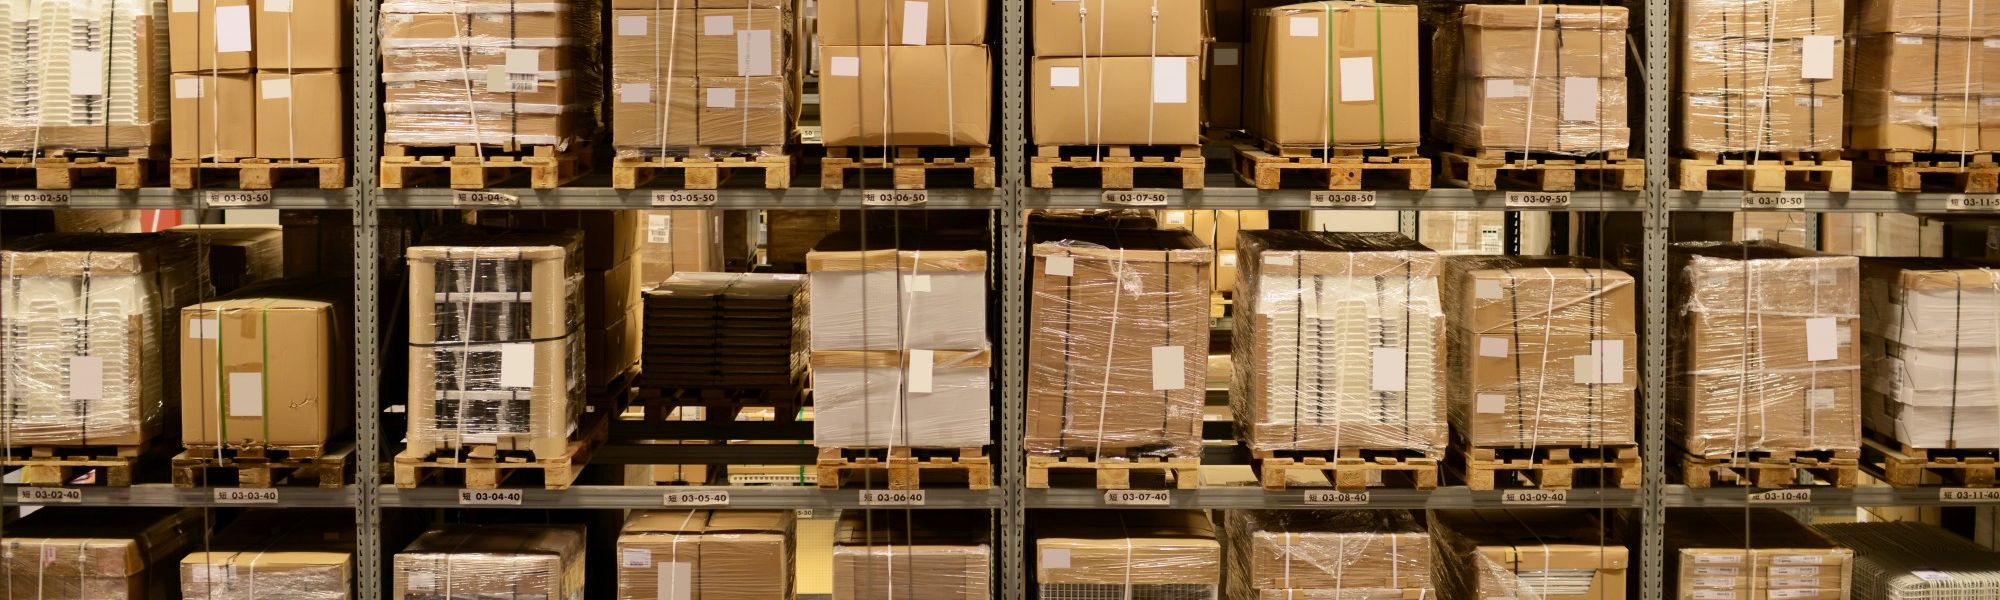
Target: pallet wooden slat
{"points": [[1117, 164], [699, 171], [1768, 172], [62, 170], [1347, 469], [909, 166], [259, 173], [904, 467], [1338, 168], [262, 466], [1904, 466], [52, 466], [1549, 468], [1906, 171], [1485, 169], [471, 167], [484, 466], [1839, 468], [1111, 473]]}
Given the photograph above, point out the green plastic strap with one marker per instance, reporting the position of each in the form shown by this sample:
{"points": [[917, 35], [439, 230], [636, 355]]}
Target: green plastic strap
{"points": [[1381, 102], [264, 368], [221, 388]]}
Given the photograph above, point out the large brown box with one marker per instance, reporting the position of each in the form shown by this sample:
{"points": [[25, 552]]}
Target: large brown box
{"points": [[1222, 87], [1575, 41], [1927, 17], [128, 106], [210, 112], [302, 114], [643, 109], [212, 35], [741, 42], [1575, 115], [1544, 352], [1759, 19], [650, 44], [304, 35], [1494, 554], [861, 22], [1756, 122], [458, 561], [1760, 66], [1095, 28], [930, 554], [1764, 349], [302, 554], [68, 553], [682, 240], [1754, 554], [1342, 74], [935, 95], [1118, 338], [268, 365], [1079, 100], [796, 232], [1914, 64], [1923, 123], [1881, 234], [743, 111], [705, 554], [1381, 552], [1126, 548]]}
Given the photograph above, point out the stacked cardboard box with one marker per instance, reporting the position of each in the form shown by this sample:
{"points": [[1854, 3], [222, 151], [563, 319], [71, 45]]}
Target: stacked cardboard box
{"points": [[1915, 561], [1547, 554], [1304, 555], [85, 76], [494, 73], [1463, 231], [1753, 554], [915, 73], [941, 555], [1117, 340], [679, 240], [92, 322], [1222, 89], [271, 364], [62, 553], [306, 555], [709, 73], [238, 255], [793, 233], [900, 355], [1084, 555], [474, 561], [1929, 360], [727, 330], [495, 342], [1544, 352], [1760, 75], [1108, 72], [1543, 78], [1335, 74], [1339, 343], [1924, 79], [612, 266], [1783, 227], [1218, 229], [1881, 234], [675, 554], [260, 80], [1764, 354]]}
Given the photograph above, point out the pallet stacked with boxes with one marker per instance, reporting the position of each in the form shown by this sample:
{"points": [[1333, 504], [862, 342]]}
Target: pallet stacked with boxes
{"points": [[945, 555], [1929, 363], [613, 266], [88, 91], [461, 560], [309, 556], [1913, 560], [62, 553], [701, 86], [1079, 555], [1549, 554], [1116, 86], [1282, 555], [260, 90], [1334, 91], [706, 554], [1759, 95], [1925, 92], [905, 88], [1753, 554]]}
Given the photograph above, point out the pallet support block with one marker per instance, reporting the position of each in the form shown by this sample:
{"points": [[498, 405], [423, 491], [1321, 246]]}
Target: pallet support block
{"points": [[904, 467], [1905, 467], [1484, 170], [472, 167], [1342, 169], [909, 166], [260, 173], [1549, 468], [702, 172], [1776, 469], [1770, 172], [1116, 473], [1117, 164]]}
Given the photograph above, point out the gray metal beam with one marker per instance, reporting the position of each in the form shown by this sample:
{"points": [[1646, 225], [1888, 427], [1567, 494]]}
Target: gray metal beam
{"points": [[641, 497], [1653, 514]]}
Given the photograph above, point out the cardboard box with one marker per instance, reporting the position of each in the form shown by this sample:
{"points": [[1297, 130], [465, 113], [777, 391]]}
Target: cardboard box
{"points": [[1544, 351], [212, 35], [1222, 87], [608, 352], [744, 111], [673, 4], [1925, 123], [942, 22], [1751, 19], [215, 116], [1126, 548], [1926, 17], [705, 554], [533, 560], [1076, 100], [1094, 28], [1753, 122], [1575, 41], [935, 555], [1788, 228], [1753, 553], [875, 399], [493, 128], [304, 554], [1316, 551], [641, 110], [236, 391], [1929, 361], [1914, 64], [484, 25], [1881, 234], [1574, 115], [1742, 66], [867, 299], [679, 240], [446, 92], [238, 255], [129, 106], [610, 293], [1463, 231], [610, 237], [941, 95], [793, 233], [94, 554], [1505, 553], [651, 45], [742, 42], [1218, 229], [304, 35], [1372, 63], [302, 115]]}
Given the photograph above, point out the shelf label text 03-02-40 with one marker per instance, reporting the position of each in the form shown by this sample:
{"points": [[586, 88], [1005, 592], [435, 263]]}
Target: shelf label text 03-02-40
{"points": [[47, 495]]}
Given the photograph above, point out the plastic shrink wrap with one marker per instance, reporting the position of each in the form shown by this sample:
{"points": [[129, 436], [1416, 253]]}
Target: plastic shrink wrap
{"points": [[1760, 76], [705, 555], [700, 81], [1764, 349], [90, 322], [491, 73], [1930, 352], [269, 364], [1881, 234], [65, 553], [1335, 74], [1327, 555], [1165, 554], [1925, 77], [1117, 341], [1915, 561], [905, 73], [462, 562], [85, 75], [495, 351], [1761, 554], [1339, 343], [269, 553], [1543, 78], [1543, 352], [940, 555], [1527, 554]]}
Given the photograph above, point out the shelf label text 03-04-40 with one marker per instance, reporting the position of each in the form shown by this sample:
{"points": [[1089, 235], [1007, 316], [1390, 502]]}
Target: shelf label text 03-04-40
{"points": [[502, 497], [477, 198]]}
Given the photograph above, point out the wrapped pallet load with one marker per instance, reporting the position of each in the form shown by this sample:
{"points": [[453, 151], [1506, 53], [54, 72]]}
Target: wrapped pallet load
{"points": [[491, 74], [1086, 555], [1086, 72], [1537, 79], [1924, 80], [473, 561], [269, 365], [92, 76], [1908, 560], [696, 554], [68, 553], [1929, 359], [1547, 554], [930, 554], [1327, 555], [257, 80], [904, 73], [1752, 554], [1335, 75], [1759, 76], [265, 553], [701, 79]]}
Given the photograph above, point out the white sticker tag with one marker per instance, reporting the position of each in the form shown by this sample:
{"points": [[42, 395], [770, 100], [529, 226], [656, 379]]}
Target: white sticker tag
{"points": [[635, 93], [659, 229], [1992, 42], [921, 362], [1752, 234], [1227, 260], [1055, 558], [246, 395], [497, 81], [1492, 346], [917, 283], [86, 378], [1822, 338], [524, 60], [844, 66], [635, 558], [232, 28], [1505, 88], [1816, 57], [1170, 80], [1225, 57], [1714, 595], [1580, 99], [631, 25], [720, 98], [1607, 363], [916, 22], [718, 25], [1794, 571], [676, 581], [517, 365], [187, 6], [1910, 40], [1278, 260], [421, 581], [1061, 266], [753, 53], [1389, 365], [1491, 404], [278, 6], [1169, 368], [1357, 79], [1820, 398], [1060, 77], [275, 89], [1304, 26], [187, 87], [204, 329], [1486, 289], [1798, 559], [1718, 559], [86, 72]]}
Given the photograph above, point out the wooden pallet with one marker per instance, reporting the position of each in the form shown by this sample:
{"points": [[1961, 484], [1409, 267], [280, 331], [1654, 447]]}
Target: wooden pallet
{"points": [[724, 404], [700, 170], [1115, 473], [1774, 469], [114, 466], [1904, 466], [472, 167], [1549, 468], [1116, 164], [905, 467], [258, 173], [1771, 172], [1486, 169], [484, 466], [262, 466], [1906, 171], [909, 165], [123, 168], [1335, 168], [1347, 468]]}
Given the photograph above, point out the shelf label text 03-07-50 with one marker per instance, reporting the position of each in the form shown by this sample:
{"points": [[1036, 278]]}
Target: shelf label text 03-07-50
{"points": [[1135, 198]]}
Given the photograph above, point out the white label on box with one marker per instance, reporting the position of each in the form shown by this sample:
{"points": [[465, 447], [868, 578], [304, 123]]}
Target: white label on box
{"points": [[1929, 575], [1226, 57], [1060, 266], [1169, 368], [524, 60], [1795, 583], [1305, 26], [1061, 77], [676, 581], [1751, 234], [421, 581], [1504, 88], [636, 558], [1176, 217], [479, 438], [86, 378], [1714, 582], [275, 89], [1055, 558], [232, 28], [635, 93], [1816, 57], [1170, 81], [517, 365], [1798, 559], [631, 25], [1715, 571], [1714, 595], [246, 394], [1493, 346], [753, 53], [921, 362], [917, 283], [1227, 260], [1821, 338], [187, 6], [659, 229], [719, 98], [204, 329], [187, 87], [1794, 571], [278, 6], [1486, 289], [1820, 399], [1909, 40], [496, 79], [1718, 559], [86, 72], [844, 66], [1605, 365], [1278, 260], [916, 22], [1357, 79], [1580, 99], [718, 25], [1389, 366], [1491, 404], [1992, 42]]}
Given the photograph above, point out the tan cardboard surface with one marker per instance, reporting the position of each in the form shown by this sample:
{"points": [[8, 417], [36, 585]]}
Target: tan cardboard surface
{"points": [[261, 368], [1117, 100], [304, 34], [1328, 78], [303, 115], [192, 36], [1129, 547], [936, 95], [1095, 28], [861, 22], [209, 115]]}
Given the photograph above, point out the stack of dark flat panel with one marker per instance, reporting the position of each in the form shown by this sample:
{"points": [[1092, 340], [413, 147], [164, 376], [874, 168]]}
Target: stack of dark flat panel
{"points": [[726, 330]]}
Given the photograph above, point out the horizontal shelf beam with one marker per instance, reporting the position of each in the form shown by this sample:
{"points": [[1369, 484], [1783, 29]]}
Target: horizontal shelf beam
{"points": [[604, 198], [611, 496], [1855, 201], [160, 494], [1379, 498], [172, 199], [1231, 198]]}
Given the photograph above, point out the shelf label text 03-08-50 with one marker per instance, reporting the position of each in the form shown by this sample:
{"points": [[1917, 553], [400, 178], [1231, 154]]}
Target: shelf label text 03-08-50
{"points": [[1360, 199]]}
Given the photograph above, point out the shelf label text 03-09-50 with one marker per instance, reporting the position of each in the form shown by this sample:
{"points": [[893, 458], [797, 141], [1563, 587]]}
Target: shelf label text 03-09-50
{"points": [[1537, 199]]}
